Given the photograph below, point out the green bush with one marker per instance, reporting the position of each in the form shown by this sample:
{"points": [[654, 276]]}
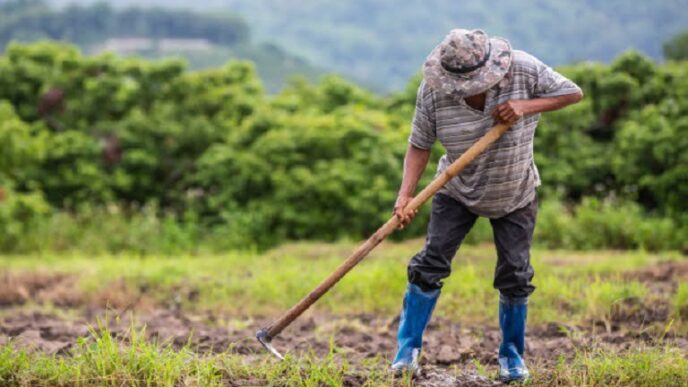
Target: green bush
{"points": [[20, 148], [102, 153], [651, 155], [112, 229], [609, 223], [19, 214], [311, 176], [677, 47]]}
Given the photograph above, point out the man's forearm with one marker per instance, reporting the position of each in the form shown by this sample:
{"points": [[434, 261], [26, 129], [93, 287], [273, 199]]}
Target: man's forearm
{"points": [[540, 105], [414, 164], [511, 111]]}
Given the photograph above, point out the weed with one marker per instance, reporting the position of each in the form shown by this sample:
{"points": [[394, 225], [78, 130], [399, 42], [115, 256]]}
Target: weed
{"points": [[637, 367], [680, 302]]}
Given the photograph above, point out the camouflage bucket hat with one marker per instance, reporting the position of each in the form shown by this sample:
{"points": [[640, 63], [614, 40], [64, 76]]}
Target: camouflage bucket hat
{"points": [[467, 62]]}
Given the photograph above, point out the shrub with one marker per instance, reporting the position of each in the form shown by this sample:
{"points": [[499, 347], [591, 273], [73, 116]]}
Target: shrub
{"points": [[608, 223], [20, 213]]}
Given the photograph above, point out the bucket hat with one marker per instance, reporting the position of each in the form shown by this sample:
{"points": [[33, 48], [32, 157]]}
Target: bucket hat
{"points": [[467, 62]]}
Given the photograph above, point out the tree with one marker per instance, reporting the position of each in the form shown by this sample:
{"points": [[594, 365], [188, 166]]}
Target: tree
{"points": [[677, 47]]}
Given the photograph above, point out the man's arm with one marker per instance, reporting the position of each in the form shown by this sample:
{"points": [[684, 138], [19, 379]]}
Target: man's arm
{"points": [[415, 161], [421, 139], [511, 111]]}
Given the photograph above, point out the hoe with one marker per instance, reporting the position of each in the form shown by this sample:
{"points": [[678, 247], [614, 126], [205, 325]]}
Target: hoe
{"points": [[265, 335]]}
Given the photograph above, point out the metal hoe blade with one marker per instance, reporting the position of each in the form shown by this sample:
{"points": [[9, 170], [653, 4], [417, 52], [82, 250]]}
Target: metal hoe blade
{"points": [[265, 339]]}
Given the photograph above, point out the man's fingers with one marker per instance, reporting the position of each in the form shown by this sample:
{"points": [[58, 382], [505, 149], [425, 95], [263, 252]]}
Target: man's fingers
{"points": [[499, 109], [401, 221], [399, 212], [405, 217], [506, 114], [498, 112], [509, 116], [506, 108], [502, 113], [401, 217]]}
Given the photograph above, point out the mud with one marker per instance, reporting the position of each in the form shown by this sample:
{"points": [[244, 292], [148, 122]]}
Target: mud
{"points": [[663, 277], [56, 288], [451, 349], [448, 344]]}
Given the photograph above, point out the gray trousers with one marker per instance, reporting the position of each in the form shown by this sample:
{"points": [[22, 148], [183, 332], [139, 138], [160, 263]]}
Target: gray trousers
{"points": [[449, 223]]}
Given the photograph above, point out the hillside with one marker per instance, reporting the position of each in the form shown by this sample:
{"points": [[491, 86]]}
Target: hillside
{"points": [[383, 42], [204, 39]]}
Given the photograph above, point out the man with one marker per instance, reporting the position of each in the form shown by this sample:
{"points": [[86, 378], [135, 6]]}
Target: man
{"points": [[471, 82]]}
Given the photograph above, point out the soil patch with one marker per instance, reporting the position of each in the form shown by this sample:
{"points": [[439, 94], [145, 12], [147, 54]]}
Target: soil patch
{"points": [[447, 343], [661, 278], [62, 290], [19, 288]]}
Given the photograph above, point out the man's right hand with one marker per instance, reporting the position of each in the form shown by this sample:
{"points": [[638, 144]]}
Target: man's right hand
{"points": [[404, 218]]}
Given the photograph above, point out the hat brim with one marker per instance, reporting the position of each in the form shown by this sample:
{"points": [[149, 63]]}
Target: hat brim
{"points": [[474, 82]]}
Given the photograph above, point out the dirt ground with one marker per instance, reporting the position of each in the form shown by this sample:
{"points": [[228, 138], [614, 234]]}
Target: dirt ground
{"points": [[447, 343]]}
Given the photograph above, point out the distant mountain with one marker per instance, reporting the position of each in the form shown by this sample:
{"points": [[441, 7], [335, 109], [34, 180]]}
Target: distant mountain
{"points": [[383, 42], [204, 39]]}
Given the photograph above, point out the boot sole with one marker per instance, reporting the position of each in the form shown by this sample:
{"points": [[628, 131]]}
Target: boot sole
{"points": [[509, 380], [401, 372]]}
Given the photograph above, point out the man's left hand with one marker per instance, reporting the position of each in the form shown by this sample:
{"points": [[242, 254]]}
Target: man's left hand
{"points": [[510, 111]]}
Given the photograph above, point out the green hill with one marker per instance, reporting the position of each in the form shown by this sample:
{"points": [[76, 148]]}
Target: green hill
{"points": [[383, 42], [203, 39]]}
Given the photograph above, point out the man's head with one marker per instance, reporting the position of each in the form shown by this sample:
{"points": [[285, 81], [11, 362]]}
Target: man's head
{"points": [[467, 62]]}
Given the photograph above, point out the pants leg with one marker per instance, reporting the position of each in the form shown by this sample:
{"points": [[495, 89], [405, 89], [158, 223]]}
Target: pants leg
{"points": [[513, 235], [449, 223]]}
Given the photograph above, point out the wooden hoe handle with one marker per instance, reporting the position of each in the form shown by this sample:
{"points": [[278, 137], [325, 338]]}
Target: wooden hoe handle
{"points": [[266, 334]]}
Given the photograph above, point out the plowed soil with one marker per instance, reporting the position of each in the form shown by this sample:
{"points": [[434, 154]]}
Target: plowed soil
{"points": [[448, 344]]}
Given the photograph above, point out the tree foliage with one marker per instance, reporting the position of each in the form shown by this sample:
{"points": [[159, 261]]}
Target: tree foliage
{"points": [[677, 47], [317, 160]]}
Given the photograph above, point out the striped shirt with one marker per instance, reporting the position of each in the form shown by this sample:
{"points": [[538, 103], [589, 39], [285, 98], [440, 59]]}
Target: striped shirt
{"points": [[504, 177]]}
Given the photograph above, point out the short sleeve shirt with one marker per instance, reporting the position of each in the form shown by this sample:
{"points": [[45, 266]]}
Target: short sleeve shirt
{"points": [[504, 177]]}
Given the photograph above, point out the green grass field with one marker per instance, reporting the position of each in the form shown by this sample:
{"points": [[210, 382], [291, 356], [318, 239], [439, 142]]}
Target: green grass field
{"points": [[596, 318]]}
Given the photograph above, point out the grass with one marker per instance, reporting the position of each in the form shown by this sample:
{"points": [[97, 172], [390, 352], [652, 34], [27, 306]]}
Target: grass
{"points": [[105, 361], [570, 286], [663, 366], [680, 302]]}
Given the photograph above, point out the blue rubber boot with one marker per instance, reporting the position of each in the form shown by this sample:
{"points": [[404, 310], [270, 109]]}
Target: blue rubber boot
{"points": [[512, 321], [415, 314]]}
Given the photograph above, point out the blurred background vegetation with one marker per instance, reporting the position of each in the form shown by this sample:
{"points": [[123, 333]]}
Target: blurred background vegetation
{"points": [[381, 43], [108, 153], [203, 39], [377, 43]]}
